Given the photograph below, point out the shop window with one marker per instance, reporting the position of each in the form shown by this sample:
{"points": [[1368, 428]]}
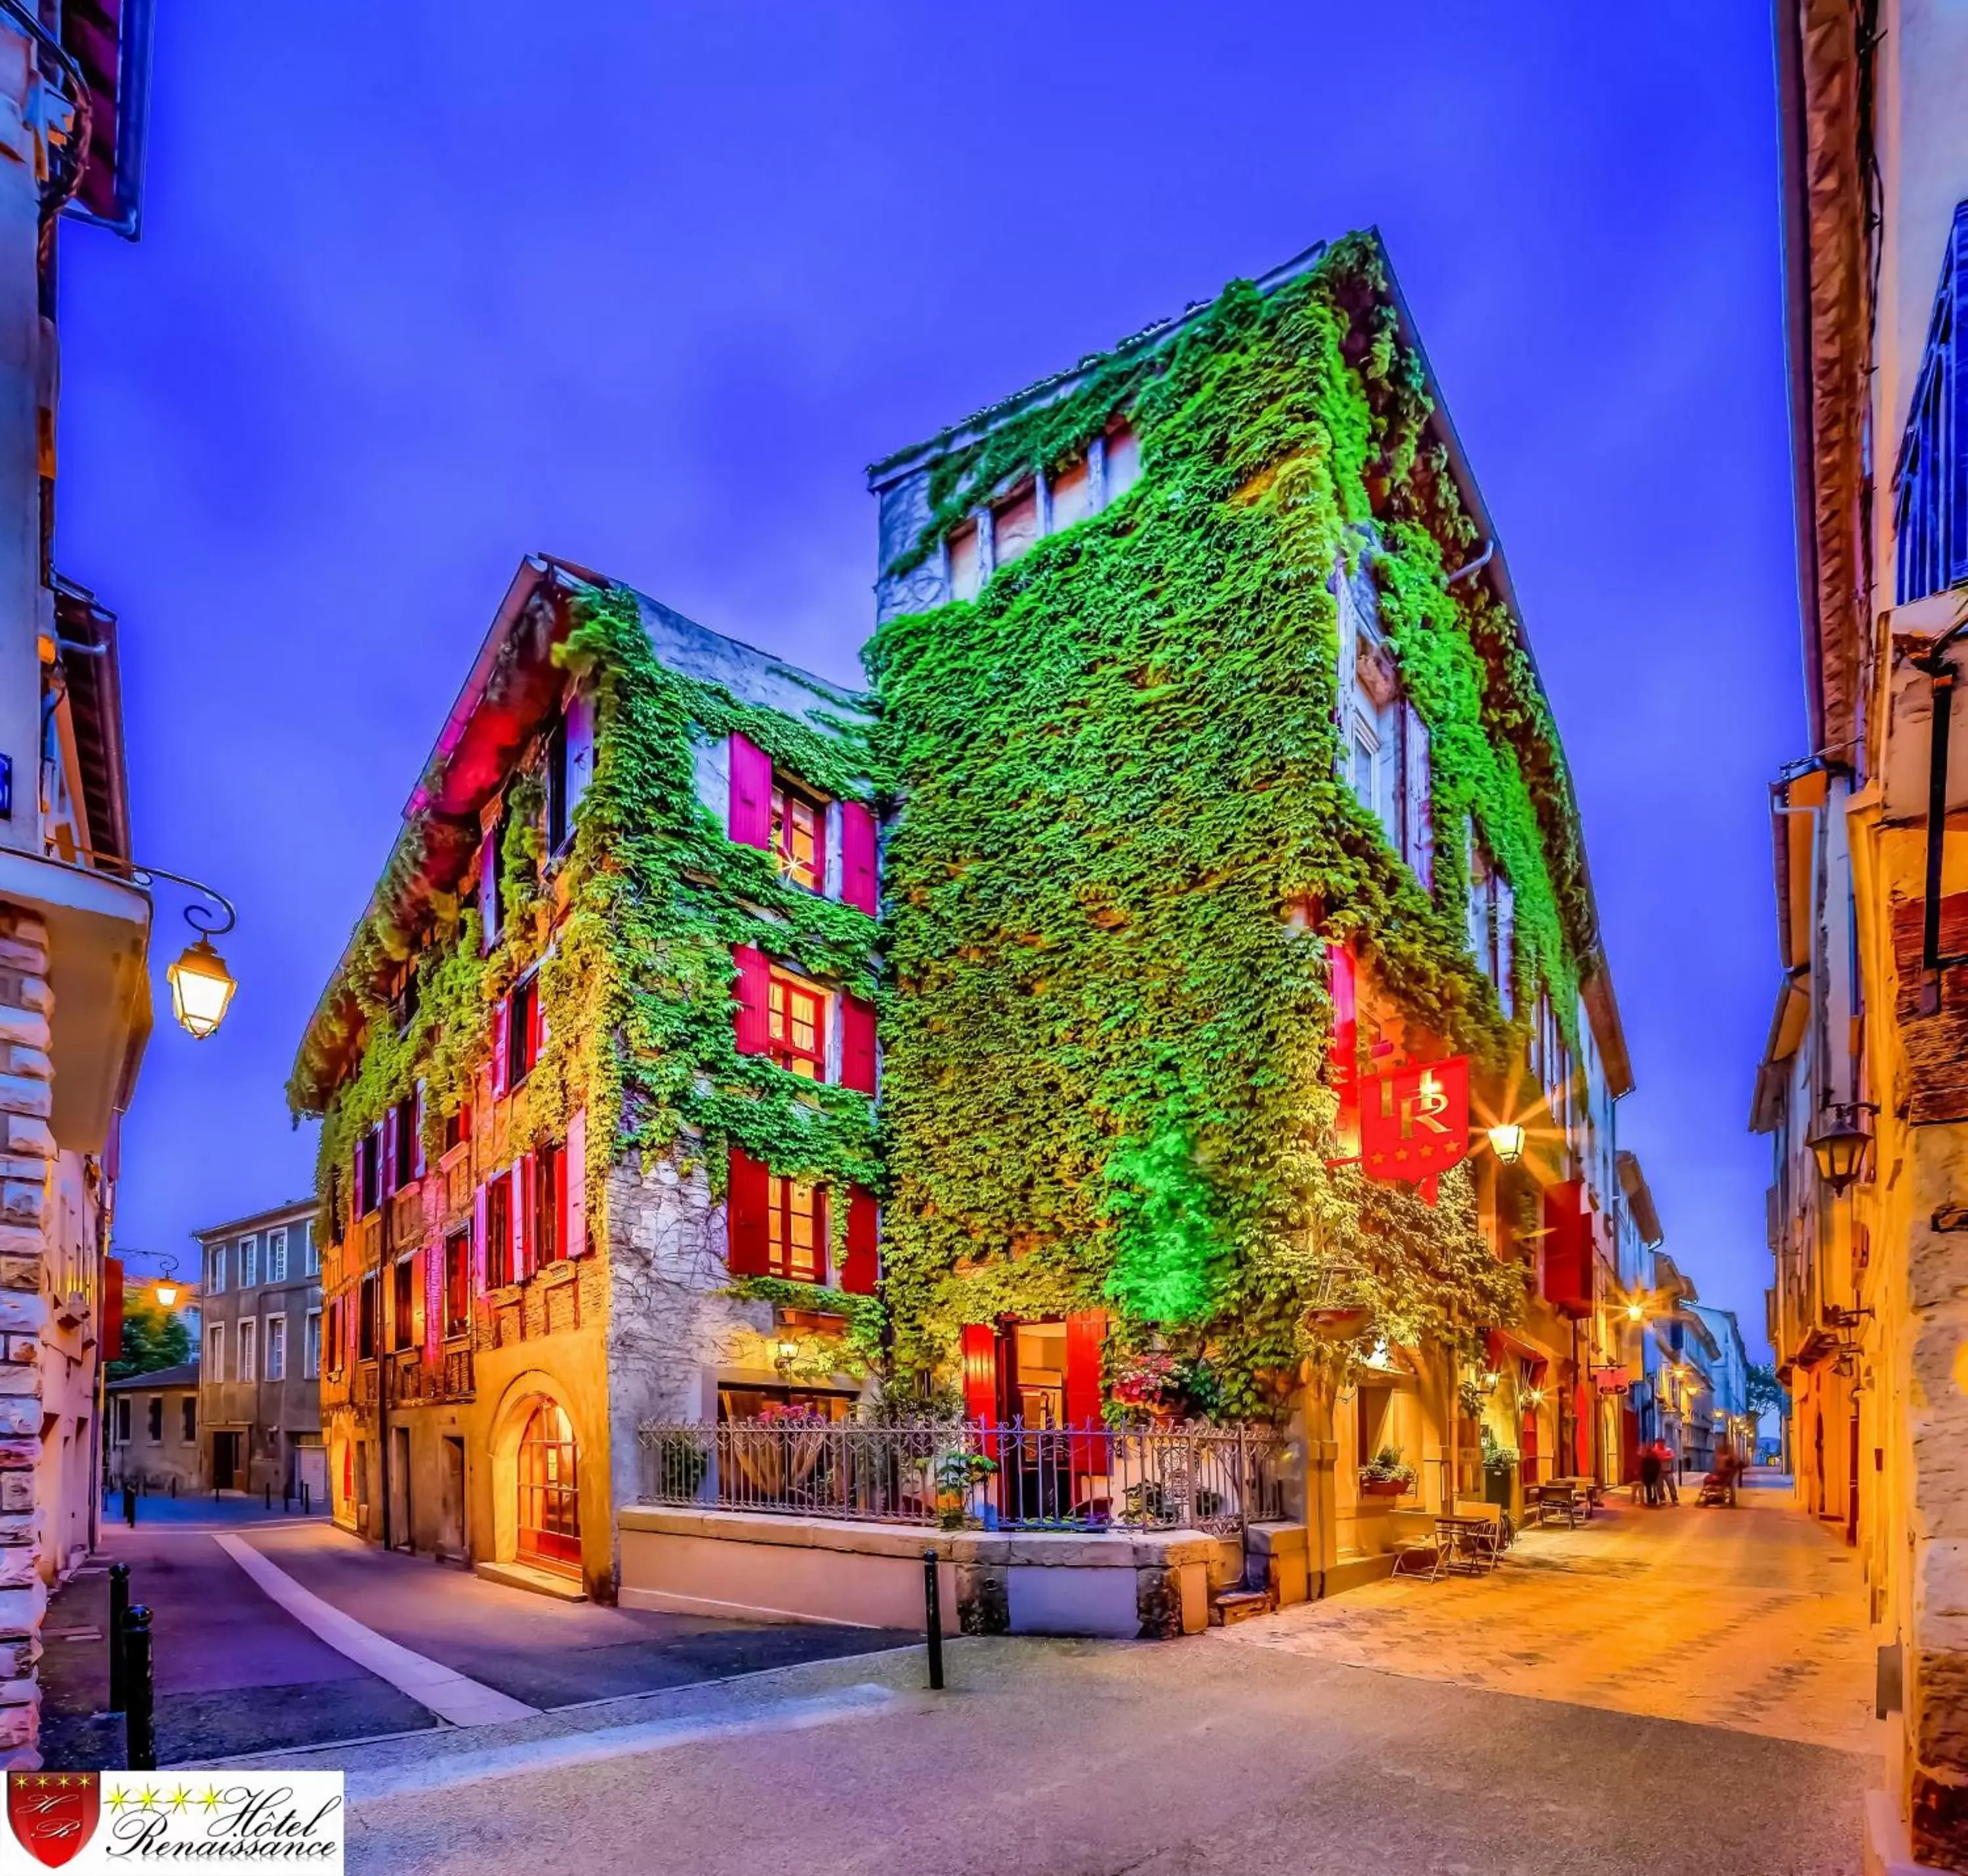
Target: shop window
{"points": [[807, 1403]]}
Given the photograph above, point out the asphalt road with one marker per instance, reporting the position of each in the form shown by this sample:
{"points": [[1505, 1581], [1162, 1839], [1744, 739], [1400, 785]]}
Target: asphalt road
{"points": [[1079, 1757]]}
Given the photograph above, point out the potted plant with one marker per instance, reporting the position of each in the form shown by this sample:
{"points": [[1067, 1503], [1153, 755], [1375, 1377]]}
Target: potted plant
{"points": [[1499, 1466], [956, 1473], [1387, 1475]]}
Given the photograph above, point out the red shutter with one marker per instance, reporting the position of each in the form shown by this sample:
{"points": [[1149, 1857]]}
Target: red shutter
{"points": [[980, 1378], [752, 991], [112, 1310], [1567, 1249], [747, 1251], [574, 1161], [536, 1023], [863, 1263], [1342, 984], [751, 794], [417, 1135], [389, 1152], [499, 1026], [1085, 1332], [857, 1045], [481, 1248], [857, 856], [519, 1204]]}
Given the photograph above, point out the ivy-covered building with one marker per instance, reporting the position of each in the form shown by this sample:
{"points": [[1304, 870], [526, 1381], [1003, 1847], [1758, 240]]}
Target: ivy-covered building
{"points": [[1227, 780], [595, 1074]]}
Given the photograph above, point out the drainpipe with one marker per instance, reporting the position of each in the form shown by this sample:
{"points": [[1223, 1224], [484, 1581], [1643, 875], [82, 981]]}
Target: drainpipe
{"points": [[1477, 565]]}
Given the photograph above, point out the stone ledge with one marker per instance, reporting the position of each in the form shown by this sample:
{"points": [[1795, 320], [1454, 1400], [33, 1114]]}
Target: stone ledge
{"points": [[540, 1582]]}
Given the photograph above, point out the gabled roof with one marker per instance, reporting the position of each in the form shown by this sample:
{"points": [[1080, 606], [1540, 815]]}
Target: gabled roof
{"points": [[252, 1221], [184, 1375]]}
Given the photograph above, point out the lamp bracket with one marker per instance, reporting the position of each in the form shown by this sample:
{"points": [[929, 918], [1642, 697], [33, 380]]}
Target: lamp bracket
{"points": [[201, 919]]}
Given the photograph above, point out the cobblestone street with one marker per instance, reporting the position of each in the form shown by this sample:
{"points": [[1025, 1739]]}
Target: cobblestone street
{"points": [[1752, 1619]]}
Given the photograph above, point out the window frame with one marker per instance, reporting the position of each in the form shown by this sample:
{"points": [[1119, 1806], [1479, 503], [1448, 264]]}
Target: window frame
{"points": [[188, 1420], [457, 1273], [522, 1029], [214, 1368], [786, 795], [279, 1318], [276, 1265], [249, 1260], [780, 1250], [215, 1274], [403, 1303], [499, 1271], [246, 1356], [311, 1346], [782, 987]]}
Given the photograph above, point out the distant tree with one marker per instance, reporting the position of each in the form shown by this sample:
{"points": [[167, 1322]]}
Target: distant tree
{"points": [[1767, 1394], [153, 1338]]}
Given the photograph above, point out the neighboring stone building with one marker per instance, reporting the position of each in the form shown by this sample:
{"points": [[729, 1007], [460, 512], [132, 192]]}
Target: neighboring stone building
{"points": [[75, 1005], [260, 1366], [596, 1071], [154, 1431], [1862, 1088]]}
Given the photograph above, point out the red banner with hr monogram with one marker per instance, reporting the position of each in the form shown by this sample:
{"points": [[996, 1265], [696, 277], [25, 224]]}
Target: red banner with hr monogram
{"points": [[1414, 1123]]}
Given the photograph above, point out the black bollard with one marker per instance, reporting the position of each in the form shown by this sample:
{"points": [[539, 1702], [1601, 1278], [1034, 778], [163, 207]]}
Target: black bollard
{"points": [[119, 1611], [130, 1507], [287, 1498], [304, 1498], [932, 1614], [174, 1485], [269, 1500], [140, 1729]]}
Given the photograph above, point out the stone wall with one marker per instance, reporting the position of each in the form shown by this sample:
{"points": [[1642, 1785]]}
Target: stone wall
{"points": [[27, 1161]]}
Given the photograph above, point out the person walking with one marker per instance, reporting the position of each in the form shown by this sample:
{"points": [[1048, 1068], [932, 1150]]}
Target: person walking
{"points": [[1650, 1473], [1670, 1470]]}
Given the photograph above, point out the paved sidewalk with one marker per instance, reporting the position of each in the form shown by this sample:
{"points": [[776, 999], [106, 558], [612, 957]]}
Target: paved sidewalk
{"points": [[1751, 1619]]}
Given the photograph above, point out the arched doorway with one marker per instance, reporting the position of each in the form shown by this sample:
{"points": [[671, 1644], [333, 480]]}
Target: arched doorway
{"points": [[548, 1524]]}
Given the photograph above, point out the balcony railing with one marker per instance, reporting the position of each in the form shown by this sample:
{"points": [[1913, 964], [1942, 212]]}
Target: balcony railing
{"points": [[414, 1382], [987, 1475]]}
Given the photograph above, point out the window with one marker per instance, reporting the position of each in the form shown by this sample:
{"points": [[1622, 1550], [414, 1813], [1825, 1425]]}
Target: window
{"points": [[798, 837], [457, 1127], [216, 1282], [457, 1283], [310, 1251], [249, 1262], [557, 827], [365, 1325], [1124, 462], [796, 1022], [1015, 529], [215, 1353], [276, 1348], [368, 1173], [499, 1233], [403, 1121], [549, 1178], [311, 1346], [402, 1303], [1931, 484], [1492, 912], [1072, 492], [796, 1230], [188, 1420], [550, 1519], [123, 1420], [522, 1034], [154, 1421], [249, 1334], [276, 1256], [967, 578]]}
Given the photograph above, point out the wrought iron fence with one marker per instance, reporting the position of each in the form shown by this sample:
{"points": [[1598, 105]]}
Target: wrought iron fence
{"points": [[980, 1475]]}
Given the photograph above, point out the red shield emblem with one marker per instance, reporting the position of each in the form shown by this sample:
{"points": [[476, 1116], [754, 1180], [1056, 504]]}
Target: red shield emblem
{"points": [[1414, 1123], [53, 1814]]}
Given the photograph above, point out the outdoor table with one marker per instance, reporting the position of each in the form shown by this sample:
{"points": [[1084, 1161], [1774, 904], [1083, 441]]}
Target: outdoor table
{"points": [[1465, 1543]]}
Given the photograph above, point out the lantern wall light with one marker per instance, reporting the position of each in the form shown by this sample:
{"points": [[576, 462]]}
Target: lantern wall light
{"points": [[202, 987], [1839, 1145], [167, 1288], [1507, 1142]]}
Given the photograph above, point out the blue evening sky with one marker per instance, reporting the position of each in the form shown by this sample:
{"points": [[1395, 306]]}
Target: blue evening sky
{"points": [[421, 289]]}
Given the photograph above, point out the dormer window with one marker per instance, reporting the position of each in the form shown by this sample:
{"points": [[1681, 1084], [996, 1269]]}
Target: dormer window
{"points": [[798, 837]]}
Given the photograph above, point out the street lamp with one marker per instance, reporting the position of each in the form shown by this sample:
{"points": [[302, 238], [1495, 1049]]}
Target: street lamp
{"points": [[201, 985], [1507, 1142], [167, 1287], [1840, 1146]]}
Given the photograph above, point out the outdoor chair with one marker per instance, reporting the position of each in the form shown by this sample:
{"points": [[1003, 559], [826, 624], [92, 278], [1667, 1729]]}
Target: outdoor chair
{"points": [[1557, 1501]]}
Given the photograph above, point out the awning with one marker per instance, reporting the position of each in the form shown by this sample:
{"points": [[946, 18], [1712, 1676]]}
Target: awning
{"points": [[1499, 1345]]}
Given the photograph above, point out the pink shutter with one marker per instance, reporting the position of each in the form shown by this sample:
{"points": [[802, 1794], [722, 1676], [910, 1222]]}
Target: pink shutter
{"points": [[499, 1066], [857, 856], [980, 1379], [481, 1247], [752, 991], [579, 749], [575, 1161], [389, 1152], [751, 823], [417, 1135], [857, 1045], [820, 849], [1341, 984], [1085, 1332], [519, 1203], [433, 1255], [488, 891], [748, 1251], [863, 1263]]}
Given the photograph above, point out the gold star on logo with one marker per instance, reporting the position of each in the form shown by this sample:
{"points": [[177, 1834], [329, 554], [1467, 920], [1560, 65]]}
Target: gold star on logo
{"points": [[117, 1799], [149, 1801], [210, 1800], [179, 1799]]}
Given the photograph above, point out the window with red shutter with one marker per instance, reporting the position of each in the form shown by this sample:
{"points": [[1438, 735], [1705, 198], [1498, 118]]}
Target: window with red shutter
{"points": [[980, 1378], [795, 1230], [796, 1025], [857, 856], [857, 1045], [745, 1200], [859, 1273], [798, 836], [750, 823], [752, 1016], [1084, 1334]]}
